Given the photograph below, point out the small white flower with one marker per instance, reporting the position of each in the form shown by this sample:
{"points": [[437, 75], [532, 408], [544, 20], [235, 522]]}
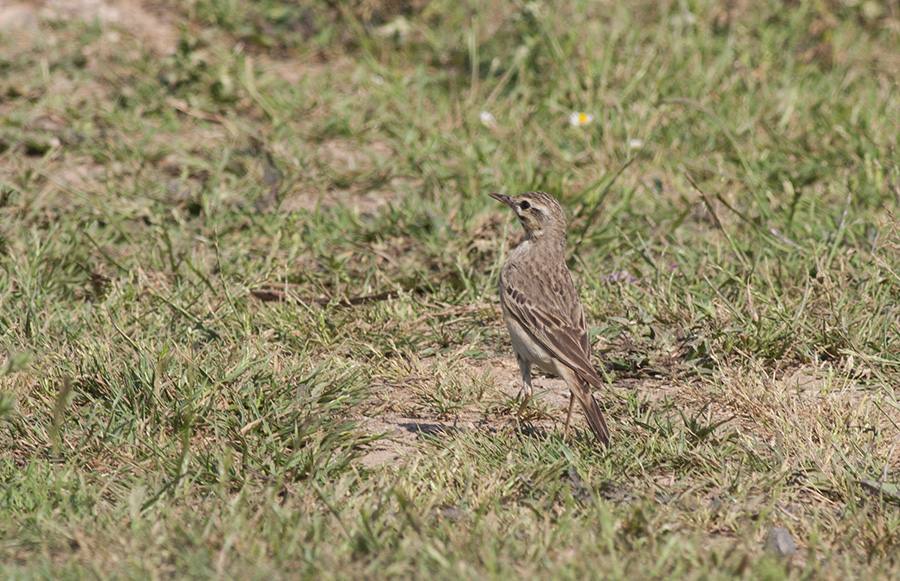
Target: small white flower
{"points": [[487, 119], [398, 29], [635, 144], [578, 119]]}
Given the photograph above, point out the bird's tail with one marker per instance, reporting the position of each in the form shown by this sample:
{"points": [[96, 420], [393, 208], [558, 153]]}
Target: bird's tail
{"points": [[592, 412]]}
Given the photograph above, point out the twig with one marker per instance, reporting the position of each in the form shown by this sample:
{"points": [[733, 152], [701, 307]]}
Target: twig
{"points": [[274, 295]]}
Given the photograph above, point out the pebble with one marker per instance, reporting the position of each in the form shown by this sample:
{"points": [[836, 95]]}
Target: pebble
{"points": [[780, 542]]}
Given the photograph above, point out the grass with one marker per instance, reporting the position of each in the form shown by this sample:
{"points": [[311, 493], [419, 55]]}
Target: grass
{"points": [[734, 203]]}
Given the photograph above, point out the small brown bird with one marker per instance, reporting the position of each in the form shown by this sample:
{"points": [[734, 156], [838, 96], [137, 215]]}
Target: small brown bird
{"points": [[542, 310]]}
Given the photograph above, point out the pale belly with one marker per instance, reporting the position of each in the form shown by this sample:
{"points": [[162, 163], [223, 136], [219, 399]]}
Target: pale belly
{"points": [[527, 348]]}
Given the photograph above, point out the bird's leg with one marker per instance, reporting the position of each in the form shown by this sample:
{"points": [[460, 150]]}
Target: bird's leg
{"points": [[525, 399], [569, 415], [527, 390]]}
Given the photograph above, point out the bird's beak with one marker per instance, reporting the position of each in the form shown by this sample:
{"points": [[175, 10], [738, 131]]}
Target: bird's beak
{"points": [[501, 198]]}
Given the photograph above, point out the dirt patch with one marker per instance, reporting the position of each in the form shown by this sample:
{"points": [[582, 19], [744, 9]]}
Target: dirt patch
{"points": [[811, 391], [412, 423], [348, 157], [153, 25], [367, 202]]}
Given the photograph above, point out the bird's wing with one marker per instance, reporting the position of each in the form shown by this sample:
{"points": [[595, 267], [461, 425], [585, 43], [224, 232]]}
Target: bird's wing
{"points": [[553, 314]]}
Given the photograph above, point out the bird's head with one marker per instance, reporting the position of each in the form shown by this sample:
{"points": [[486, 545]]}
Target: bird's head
{"points": [[539, 212]]}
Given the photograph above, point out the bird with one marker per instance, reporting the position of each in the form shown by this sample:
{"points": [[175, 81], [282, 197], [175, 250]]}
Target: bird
{"points": [[543, 311]]}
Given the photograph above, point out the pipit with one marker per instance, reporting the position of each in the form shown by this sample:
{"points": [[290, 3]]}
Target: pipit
{"points": [[542, 310]]}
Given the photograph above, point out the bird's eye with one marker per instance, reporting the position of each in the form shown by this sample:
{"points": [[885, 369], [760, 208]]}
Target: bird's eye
{"points": [[524, 205]]}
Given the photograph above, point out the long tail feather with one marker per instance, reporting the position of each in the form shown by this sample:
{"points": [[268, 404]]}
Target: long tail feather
{"points": [[592, 412]]}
